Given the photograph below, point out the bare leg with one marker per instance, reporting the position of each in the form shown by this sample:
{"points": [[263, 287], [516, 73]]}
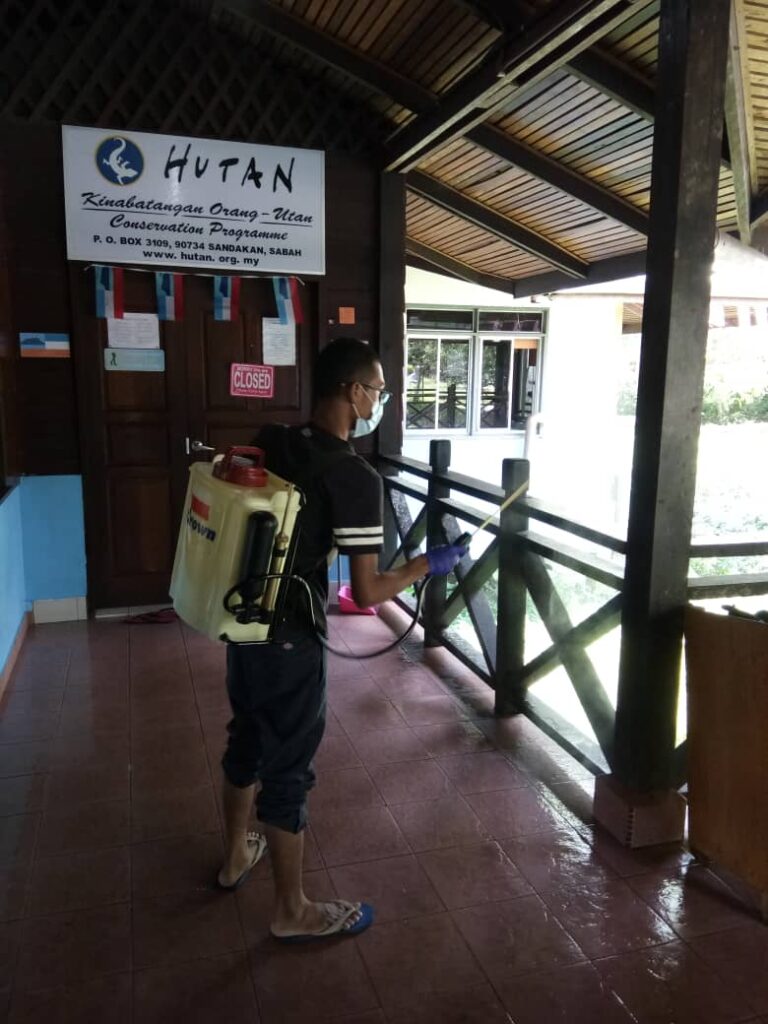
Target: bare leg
{"points": [[238, 804], [294, 913]]}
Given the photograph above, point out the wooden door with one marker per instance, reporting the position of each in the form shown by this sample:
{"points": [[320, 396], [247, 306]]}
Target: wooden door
{"points": [[130, 424], [216, 419], [136, 428]]}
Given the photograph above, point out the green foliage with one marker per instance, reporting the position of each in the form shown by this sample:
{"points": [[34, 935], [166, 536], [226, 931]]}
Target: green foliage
{"points": [[735, 380], [733, 407]]}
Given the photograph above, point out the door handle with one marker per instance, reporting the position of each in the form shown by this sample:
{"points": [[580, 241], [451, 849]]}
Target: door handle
{"points": [[197, 446]]}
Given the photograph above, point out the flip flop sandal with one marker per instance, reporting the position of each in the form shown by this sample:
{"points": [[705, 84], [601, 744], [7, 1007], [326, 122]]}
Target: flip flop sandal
{"points": [[336, 929], [258, 843]]}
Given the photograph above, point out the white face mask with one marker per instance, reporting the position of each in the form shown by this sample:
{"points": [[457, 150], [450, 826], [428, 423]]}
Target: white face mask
{"points": [[363, 427]]}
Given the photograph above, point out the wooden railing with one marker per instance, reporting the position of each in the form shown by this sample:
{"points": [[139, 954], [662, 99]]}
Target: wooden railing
{"points": [[494, 588], [451, 407]]}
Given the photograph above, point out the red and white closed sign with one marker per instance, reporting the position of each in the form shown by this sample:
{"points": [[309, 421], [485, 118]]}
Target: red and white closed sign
{"points": [[247, 380]]}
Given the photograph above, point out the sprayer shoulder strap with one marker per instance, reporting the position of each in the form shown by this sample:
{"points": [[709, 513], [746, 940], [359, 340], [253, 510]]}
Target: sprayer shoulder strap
{"points": [[310, 463]]}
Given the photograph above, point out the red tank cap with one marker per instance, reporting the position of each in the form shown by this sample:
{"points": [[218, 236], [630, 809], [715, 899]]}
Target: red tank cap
{"points": [[236, 470]]}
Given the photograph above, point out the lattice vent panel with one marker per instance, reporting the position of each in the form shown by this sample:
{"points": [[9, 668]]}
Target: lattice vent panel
{"points": [[155, 66]]}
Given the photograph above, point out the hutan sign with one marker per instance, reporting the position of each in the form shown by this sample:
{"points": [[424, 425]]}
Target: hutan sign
{"points": [[169, 200]]}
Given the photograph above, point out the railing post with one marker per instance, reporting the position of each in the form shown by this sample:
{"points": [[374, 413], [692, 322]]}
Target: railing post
{"points": [[510, 616], [434, 599]]}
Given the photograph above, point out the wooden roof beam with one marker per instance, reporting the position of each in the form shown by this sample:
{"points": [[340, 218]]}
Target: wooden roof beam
{"points": [[547, 44], [594, 66], [489, 220], [738, 116], [424, 257], [600, 272], [559, 176], [294, 30], [612, 78], [281, 23]]}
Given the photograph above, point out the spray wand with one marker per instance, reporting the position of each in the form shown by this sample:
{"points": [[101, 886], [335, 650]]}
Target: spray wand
{"points": [[466, 538]]}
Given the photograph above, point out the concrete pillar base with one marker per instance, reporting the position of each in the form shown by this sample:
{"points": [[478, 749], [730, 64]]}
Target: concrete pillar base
{"points": [[639, 819]]}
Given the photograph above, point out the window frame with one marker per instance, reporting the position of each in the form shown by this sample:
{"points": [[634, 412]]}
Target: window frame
{"points": [[439, 337], [476, 339]]}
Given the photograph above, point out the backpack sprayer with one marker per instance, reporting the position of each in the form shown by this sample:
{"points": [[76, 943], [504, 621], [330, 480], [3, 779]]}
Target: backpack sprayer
{"points": [[235, 548]]}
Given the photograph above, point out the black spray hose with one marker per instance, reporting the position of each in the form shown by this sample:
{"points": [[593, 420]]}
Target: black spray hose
{"points": [[313, 595]]}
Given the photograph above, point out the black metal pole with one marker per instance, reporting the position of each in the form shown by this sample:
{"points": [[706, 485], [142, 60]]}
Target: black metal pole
{"points": [[693, 40]]}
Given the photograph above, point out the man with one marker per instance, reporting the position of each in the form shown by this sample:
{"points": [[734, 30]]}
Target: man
{"points": [[277, 690]]}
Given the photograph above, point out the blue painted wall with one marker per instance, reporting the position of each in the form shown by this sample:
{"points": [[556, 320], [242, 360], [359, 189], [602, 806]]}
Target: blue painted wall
{"points": [[54, 537], [12, 589]]}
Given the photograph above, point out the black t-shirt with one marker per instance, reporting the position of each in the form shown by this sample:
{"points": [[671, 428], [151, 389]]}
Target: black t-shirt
{"points": [[342, 509]]}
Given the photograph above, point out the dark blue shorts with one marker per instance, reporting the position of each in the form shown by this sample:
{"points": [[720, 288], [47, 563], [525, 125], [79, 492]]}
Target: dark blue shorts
{"points": [[277, 693]]}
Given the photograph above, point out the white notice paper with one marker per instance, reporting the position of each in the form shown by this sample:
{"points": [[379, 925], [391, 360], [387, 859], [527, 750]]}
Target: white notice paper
{"points": [[279, 342], [134, 330]]}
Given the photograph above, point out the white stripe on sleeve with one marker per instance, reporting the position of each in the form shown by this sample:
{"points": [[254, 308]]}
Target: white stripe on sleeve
{"points": [[358, 531]]}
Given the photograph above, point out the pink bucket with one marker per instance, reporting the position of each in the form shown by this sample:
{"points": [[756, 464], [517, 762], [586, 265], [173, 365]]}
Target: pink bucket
{"points": [[347, 604]]}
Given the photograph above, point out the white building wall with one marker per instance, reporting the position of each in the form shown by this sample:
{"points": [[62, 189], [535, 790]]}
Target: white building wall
{"points": [[580, 448]]}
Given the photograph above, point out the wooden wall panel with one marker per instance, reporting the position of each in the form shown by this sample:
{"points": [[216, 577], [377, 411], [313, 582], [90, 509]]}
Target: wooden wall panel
{"points": [[9, 454], [47, 421], [142, 541], [45, 410], [727, 662]]}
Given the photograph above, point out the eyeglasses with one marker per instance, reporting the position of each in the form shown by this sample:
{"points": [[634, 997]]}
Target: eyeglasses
{"points": [[384, 395]]}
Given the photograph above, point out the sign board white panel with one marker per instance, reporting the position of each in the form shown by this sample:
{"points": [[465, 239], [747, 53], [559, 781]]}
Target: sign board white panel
{"points": [[169, 200], [132, 360], [134, 330], [278, 342]]}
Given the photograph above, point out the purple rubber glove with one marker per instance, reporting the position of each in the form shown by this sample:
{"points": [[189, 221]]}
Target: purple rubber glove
{"points": [[441, 560]]}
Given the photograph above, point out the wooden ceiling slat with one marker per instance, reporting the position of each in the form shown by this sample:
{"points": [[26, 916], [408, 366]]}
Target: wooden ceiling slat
{"points": [[426, 63], [369, 26], [540, 207], [406, 48], [556, 91], [458, 54], [401, 31], [553, 138], [754, 19], [383, 26], [456, 238], [586, 148]]}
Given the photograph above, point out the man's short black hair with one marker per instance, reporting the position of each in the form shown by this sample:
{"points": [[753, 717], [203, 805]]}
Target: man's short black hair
{"points": [[342, 361]]}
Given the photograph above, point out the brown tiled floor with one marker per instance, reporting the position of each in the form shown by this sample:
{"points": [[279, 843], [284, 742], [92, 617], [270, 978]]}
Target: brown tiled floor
{"points": [[497, 899]]}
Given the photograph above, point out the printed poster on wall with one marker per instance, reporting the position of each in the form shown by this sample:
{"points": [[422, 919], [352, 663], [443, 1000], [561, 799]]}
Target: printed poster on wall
{"points": [[170, 200]]}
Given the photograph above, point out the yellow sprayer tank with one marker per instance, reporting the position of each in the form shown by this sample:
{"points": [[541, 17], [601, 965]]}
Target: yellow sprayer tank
{"points": [[238, 520]]}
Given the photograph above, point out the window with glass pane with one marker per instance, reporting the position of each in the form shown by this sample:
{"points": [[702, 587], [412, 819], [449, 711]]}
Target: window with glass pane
{"points": [[453, 383], [523, 380], [437, 383], [494, 386], [440, 319], [421, 384], [505, 320]]}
